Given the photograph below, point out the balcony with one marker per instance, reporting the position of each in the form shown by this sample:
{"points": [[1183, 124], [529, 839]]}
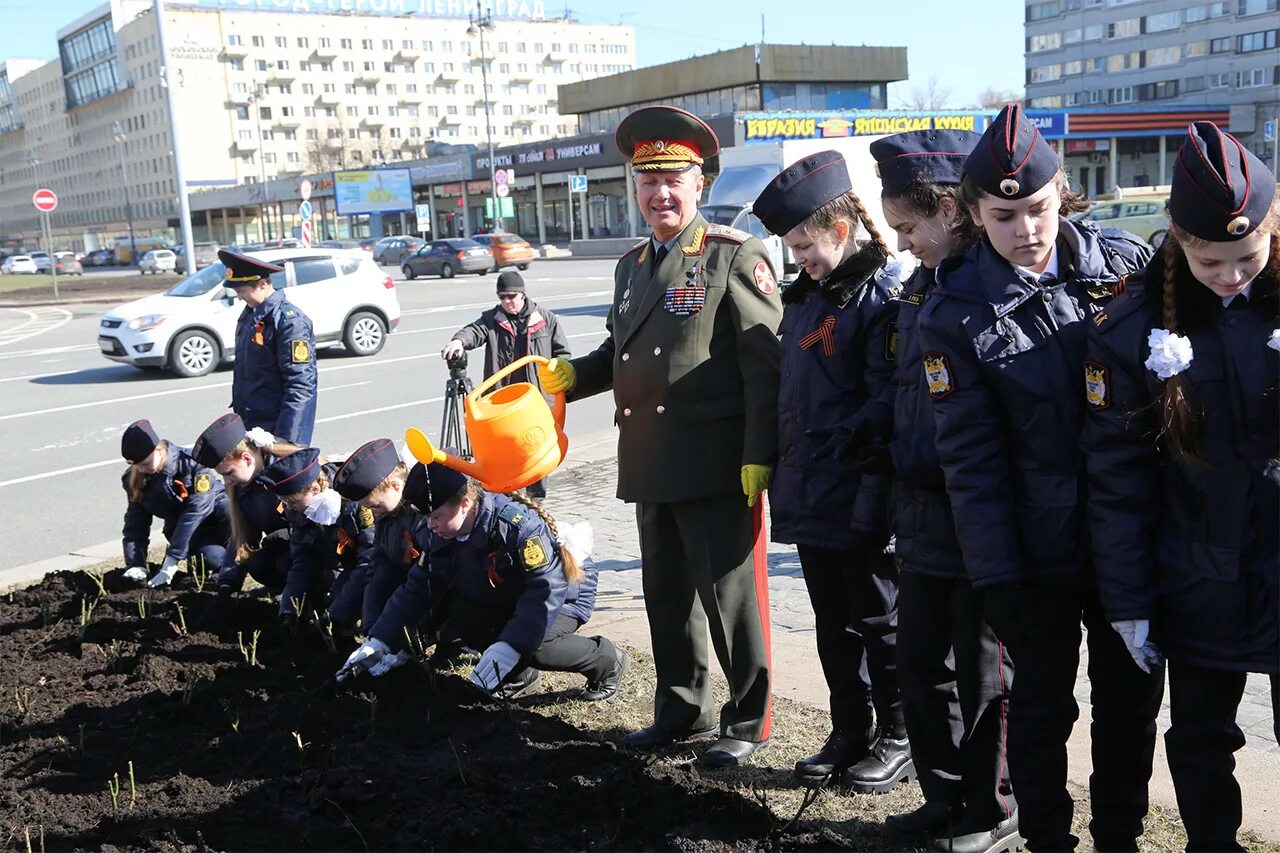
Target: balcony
{"points": [[374, 121], [235, 51], [410, 98], [523, 120], [240, 98], [449, 76], [409, 53], [288, 122], [369, 77], [335, 144], [451, 120], [522, 77], [329, 99], [325, 54], [281, 75], [246, 145]]}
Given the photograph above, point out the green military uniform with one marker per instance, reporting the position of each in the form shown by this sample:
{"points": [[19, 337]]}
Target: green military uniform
{"points": [[692, 357]]}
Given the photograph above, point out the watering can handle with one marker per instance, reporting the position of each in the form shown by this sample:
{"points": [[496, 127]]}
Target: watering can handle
{"points": [[557, 410]]}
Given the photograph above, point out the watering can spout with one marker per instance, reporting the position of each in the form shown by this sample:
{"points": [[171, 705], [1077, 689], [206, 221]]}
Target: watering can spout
{"points": [[426, 453]]}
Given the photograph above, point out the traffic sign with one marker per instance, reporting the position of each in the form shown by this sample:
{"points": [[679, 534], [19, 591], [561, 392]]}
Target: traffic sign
{"points": [[305, 236], [45, 200], [503, 190], [304, 210], [500, 177], [577, 183], [304, 189], [1269, 131]]}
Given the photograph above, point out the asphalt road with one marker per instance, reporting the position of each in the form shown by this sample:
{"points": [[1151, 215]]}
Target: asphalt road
{"points": [[63, 406]]}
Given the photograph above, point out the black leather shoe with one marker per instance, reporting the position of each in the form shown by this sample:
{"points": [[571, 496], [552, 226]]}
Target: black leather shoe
{"points": [[521, 684], [730, 752], [607, 687], [656, 737], [887, 766], [1003, 838], [932, 819], [839, 753]]}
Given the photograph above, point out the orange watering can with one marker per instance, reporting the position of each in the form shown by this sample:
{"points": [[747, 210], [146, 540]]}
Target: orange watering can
{"points": [[515, 438]]}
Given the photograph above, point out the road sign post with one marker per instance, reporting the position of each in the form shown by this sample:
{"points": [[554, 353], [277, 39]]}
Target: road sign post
{"points": [[304, 211], [46, 201]]}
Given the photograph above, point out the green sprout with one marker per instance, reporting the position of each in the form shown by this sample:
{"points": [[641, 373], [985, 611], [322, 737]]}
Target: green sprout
{"points": [[99, 578], [250, 652], [142, 605], [113, 788]]}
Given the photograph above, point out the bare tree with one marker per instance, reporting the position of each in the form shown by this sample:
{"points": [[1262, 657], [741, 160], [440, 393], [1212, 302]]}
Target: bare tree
{"points": [[933, 96], [994, 99]]}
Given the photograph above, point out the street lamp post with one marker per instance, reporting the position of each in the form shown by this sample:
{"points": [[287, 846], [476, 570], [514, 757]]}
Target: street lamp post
{"points": [[118, 130], [480, 23], [256, 99]]}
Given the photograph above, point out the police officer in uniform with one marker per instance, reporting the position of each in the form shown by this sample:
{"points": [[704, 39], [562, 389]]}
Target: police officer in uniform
{"points": [[692, 358], [274, 385]]}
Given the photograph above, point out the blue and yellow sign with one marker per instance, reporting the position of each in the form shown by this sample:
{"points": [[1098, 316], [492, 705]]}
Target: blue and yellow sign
{"points": [[775, 127]]}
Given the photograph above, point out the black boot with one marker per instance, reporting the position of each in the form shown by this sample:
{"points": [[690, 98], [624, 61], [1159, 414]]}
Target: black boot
{"points": [[519, 684], [839, 753], [932, 819], [1002, 838], [886, 767]]}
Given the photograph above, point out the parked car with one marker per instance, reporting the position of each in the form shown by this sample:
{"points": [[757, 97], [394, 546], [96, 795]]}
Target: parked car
{"points": [[157, 261], [1142, 216], [191, 328], [19, 265], [67, 263], [392, 250], [446, 258], [44, 263], [509, 250], [339, 244], [206, 253], [368, 243], [99, 258]]}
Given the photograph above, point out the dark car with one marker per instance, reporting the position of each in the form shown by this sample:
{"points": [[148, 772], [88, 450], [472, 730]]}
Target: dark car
{"points": [[368, 243], [340, 244], [446, 258], [66, 263], [100, 258], [392, 250]]}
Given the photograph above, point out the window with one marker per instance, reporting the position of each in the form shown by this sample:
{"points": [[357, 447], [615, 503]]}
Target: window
{"points": [[1047, 41], [1124, 61], [1160, 23], [1249, 79], [264, 112], [1041, 11], [233, 40], [1256, 7], [1125, 28], [324, 42], [346, 44], [259, 65], [1044, 73], [268, 135], [388, 44], [1075, 66], [242, 112], [281, 41], [1122, 95], [1093, 32], [1252, 42], [291, 156], [259, 41], [353, 111], [1159, 91], [1222, 45], [1195, 48], [1162, 56], [308, 89], [311, 270], [1072, 36], [237, 64], [269, 158], [303, 42]]}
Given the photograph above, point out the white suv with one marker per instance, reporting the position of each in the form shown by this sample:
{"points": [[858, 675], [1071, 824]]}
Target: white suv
{"points": [[192, 328]]}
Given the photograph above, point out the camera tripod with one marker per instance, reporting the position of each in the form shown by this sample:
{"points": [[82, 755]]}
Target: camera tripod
{"points": [[452, 432]]}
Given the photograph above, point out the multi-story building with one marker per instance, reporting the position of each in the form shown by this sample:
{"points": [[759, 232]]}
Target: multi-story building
{"points": [[266, 94], [1168, 55]]}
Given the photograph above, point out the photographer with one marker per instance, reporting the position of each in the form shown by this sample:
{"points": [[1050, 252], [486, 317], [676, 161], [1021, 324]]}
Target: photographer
{"points": [[512, 329]]}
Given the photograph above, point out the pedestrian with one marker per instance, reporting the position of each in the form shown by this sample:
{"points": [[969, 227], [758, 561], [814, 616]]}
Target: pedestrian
{"points": [[374, 477], [499, 578], [274, 385], [517, 326], [836, 358], [954, 673], [330, 540], [259, 544], [163, 481], [1182, 442], [1003, 344], [692, 357]]}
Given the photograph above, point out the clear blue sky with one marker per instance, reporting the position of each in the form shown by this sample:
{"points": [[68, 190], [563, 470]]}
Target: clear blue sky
{"points": [[967, 47]]}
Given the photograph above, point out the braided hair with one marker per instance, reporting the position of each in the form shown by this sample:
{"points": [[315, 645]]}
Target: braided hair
{"points": [[1180, 419], [849, 208]]}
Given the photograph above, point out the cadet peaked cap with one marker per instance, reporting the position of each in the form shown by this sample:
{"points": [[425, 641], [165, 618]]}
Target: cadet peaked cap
{"points": [[218, 439], [800, 189], [1012, 160], [365, 469], [292, 472], [430, 487], [244, 271], [665, 139], [510, 282], [1221, 192], [922, 157], [138, 441]]}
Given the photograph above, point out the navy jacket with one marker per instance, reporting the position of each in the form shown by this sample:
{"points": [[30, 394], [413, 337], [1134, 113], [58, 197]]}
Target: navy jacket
{"points": [[1193, 546], [260, 507], [509, 564], [836, 356], [400, 541], [1002, 362], [188, 496], [274, 386]]}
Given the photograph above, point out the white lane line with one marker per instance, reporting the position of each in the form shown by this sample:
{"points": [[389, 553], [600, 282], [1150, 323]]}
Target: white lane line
{"points": [[40, 321], [595, 334], [472, 305], [48, 351], [60, 471], [363, 412]]}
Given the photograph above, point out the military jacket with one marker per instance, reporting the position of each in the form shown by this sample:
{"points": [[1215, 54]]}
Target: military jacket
{"points": [[399, 542], [1002, 360], [186, 495], [692, 357], [261, 509], [274, 385], [1192, 545]]}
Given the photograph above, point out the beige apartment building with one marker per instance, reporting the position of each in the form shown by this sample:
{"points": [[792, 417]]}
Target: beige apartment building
{"points": [[262, 92]]}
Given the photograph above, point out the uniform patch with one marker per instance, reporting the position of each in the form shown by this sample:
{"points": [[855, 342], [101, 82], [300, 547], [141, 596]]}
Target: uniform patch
{"points": [[699, 236], [203, 484], [364, 518], [912, 298], [1099, 318], [289, 312], [684, 301], [534, 554], [1096, 390], [891, 343], [301, 351], [765, 282], [937, 372]]}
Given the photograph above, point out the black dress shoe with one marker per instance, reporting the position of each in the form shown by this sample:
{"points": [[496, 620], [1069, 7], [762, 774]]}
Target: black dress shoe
{"points": [[839, 753], [730, 752], [607, 687], [887, 766], [656, 737], [1003, 838], [520, 684], [932, 819]]}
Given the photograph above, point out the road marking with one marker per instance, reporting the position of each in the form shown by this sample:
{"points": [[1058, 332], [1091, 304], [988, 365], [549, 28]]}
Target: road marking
{"points": [[48, 351], [39, 321], [60, 471], [491, 303], [590, 334], [390, 408]]}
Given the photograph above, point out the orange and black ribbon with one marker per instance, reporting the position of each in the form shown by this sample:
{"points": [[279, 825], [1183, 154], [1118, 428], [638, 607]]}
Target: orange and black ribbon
{"points": [[180, 488], [825, 333], [494, 577], [257, 332], [345, 541], [410, 553]]}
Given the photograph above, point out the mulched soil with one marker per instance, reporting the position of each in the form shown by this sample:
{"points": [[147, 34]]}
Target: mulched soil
{"points": [[90, 289]]}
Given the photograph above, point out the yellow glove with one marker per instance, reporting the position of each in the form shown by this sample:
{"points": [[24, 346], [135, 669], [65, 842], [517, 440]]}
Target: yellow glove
{"points": [[755, 479], [557, 375]]}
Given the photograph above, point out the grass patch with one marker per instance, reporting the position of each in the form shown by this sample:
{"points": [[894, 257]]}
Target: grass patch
{"points": [[40, 287]]}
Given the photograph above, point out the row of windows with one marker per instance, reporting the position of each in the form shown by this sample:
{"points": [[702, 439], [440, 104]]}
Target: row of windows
{"points": [[464, 46], [92, 83], [1242, 8], [522, 68], [87, 46], [1153, 58], [1127, 28], [1248, 79]]}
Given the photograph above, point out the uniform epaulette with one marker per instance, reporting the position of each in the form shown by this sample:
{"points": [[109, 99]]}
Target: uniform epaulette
{"points": [[725, 232], [1133, 299], [513, 513], [637, 247], [288, 312]]}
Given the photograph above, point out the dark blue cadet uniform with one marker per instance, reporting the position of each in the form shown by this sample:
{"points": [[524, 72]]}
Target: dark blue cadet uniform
{"points": [[275, 380], [191, 501], [399, 542], [263, 512]]}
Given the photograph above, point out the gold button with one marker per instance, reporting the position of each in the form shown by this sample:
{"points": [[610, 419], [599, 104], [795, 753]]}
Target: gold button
{"points": [[657, 350], [661, 409], [626, 413], [626, 356]]}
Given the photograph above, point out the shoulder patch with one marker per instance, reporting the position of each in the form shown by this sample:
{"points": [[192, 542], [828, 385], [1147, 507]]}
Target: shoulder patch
{"points": [[725, 232], [364, 518], [203, 483], [1097, 390], [288, 312], [534, 553], [765, 282], [937, 373], [512, 513], [916, 299], [300, 351], [891, 342]]}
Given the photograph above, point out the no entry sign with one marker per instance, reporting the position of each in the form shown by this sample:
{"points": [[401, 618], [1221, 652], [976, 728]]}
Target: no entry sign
{"points": [[44, 200]]}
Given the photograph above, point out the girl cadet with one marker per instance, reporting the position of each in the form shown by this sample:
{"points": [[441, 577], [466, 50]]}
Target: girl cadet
{"points": [[836, 356], [163, 481], [330, 539], [259, 530], [1183, 449], [954, 707], [1003, 340], [497, 577]]}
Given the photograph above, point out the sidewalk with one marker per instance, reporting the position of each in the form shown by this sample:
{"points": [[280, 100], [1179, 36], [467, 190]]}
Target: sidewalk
{"points": [[587, 489]]}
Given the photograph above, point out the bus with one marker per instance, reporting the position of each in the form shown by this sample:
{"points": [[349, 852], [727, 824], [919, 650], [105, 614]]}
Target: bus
{"points": [[124, 254]]}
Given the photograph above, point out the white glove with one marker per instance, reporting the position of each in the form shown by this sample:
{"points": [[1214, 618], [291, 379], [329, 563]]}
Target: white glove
{"points": [[259, 437], [578, 539], [495, 664], [1134, 632], [389, 662], [324, 507], [164, 577], [136, 574], [364, 657]]}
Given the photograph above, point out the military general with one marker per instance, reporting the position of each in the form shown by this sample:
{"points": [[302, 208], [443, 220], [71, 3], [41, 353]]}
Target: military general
{"points": [[692, 357]]}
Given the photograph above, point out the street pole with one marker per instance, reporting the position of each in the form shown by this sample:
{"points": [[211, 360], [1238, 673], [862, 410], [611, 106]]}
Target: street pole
{"points": [[479, 23], [124, 182], [46, 230], [256, 99], [184, 203]]}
